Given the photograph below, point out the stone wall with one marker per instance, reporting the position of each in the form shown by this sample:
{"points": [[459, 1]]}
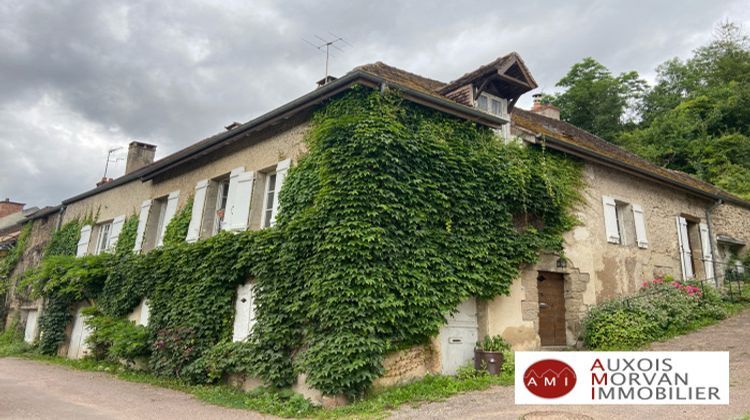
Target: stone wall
{"points": [[596, 270], [18, 300], [407, 365]]}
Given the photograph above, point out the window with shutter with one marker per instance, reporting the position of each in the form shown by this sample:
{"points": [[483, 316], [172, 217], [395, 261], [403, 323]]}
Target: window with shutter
{"points": [[142, 221], [103, 239], [706, 250], [640, 226], [166, 214], [232, 196], [281, 170], [199, 201], [611, 224], [83, 241], [114, 233], [240, 210], [683, 243]]}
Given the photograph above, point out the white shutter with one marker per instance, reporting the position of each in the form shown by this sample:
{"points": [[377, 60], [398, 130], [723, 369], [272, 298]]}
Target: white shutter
{"points": [[199, 202], [684, 248], [237, 215], [232, 193], [640, 226], [281, 170], [83, 242], [114, 232], [145, 313], [169, 213], [142, 221], [244, 315], [610, 220], [708, 258]]}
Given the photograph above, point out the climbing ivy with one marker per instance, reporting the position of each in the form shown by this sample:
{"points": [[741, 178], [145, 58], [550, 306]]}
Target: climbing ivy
{"points": [[126, 240], [177, 228], [396, 215], [9, 262]]}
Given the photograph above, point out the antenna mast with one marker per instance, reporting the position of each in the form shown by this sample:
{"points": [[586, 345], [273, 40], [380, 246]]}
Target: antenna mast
{"points": [[327, 44], [109, 159]]}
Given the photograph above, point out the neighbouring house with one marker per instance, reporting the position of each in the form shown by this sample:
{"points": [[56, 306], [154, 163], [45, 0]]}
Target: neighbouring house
{"points": [[638, 220], [11, 225]]}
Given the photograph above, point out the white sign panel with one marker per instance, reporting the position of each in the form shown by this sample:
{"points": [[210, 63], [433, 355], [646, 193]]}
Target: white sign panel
{"points": [[622, 378]]}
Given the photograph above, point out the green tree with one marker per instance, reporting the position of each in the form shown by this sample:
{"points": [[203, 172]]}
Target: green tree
{"points": [[697, 117], [598, 101]]}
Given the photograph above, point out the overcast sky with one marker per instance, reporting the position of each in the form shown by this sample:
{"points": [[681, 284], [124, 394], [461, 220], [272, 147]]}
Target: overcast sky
{"points": [[80, 77]]}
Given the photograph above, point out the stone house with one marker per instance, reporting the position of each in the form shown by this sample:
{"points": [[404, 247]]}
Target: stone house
{"points": [[638, 220]]}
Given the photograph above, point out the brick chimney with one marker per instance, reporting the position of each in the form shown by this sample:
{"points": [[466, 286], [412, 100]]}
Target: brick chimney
{"points": [[139, 155], [548, 110], [9, 207]]}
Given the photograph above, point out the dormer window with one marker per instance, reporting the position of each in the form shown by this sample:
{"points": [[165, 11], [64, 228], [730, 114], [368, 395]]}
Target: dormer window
{"points": [[492, 105]]}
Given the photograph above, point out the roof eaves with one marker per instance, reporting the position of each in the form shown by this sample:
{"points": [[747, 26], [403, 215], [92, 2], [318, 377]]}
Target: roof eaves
{"points": [[585, 153]]}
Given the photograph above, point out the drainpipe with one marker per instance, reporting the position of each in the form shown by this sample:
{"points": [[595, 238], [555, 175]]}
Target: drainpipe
{"points": [[60, 218], [710, 210]]}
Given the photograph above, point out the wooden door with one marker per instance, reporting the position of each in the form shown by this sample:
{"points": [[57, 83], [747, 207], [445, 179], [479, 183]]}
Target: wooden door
{"points": [[551, 309]]}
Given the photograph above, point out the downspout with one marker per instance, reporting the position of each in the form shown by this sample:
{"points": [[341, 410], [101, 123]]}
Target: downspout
{"points": [[60, 218], [710, 210]]}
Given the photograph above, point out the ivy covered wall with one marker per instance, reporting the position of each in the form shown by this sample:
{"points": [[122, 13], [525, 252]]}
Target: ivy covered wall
{"points": [[395, 216]]}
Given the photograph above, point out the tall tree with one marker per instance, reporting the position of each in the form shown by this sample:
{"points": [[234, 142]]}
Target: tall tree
{"points": [[597, 101]]}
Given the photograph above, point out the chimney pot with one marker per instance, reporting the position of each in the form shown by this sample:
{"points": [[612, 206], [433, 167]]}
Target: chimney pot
{"points": [[548, 110], [139, 155], [9, 207]]}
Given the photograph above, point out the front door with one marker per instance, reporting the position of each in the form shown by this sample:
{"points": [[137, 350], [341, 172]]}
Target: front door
{"points": [[78, 346], [31, 326], [551, 308]]}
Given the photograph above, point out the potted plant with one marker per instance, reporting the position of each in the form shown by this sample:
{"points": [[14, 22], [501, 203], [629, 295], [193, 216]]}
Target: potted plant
{"points": [[488, 354]]}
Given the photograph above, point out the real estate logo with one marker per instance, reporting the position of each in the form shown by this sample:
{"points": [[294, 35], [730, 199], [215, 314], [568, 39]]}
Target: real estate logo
{"points": [[622, 378], [549, 378]]}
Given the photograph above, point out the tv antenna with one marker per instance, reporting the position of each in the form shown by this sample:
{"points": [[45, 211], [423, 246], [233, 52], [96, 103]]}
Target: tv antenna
{"points": [[327, 44], [110, 160]]}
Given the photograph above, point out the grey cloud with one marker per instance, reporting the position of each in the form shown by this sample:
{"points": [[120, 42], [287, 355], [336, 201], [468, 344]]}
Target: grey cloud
{"points": [[78, 77]]}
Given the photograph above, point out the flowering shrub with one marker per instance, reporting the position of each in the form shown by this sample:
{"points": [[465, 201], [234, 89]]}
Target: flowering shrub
{"points": [[661, 308]]}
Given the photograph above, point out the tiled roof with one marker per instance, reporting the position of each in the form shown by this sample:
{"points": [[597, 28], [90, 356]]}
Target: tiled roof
{"points": [[566, 134]]}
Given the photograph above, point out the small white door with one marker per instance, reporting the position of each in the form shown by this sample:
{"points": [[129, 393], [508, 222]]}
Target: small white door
{"points": [[78, 347], [244, 315], [459, 337], [31, 326]]}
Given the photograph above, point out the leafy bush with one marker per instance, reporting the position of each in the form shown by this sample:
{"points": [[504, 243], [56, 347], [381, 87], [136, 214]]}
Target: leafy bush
{"points": [[494, 343], [661, 308], [116, 339]]}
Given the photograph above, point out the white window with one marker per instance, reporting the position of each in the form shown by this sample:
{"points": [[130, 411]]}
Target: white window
{"points": [[102, 243], [611, 220], [492, 105], [83, 241], [640, 226], [269, 198], [685, 248], [196, 216], [624, 223], [222, 194], [167, 210]]}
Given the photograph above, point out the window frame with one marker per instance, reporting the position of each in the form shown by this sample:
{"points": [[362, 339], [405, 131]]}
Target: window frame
{"points": [[490, 98], [222, 197], [102, 237], [267, 209]]}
